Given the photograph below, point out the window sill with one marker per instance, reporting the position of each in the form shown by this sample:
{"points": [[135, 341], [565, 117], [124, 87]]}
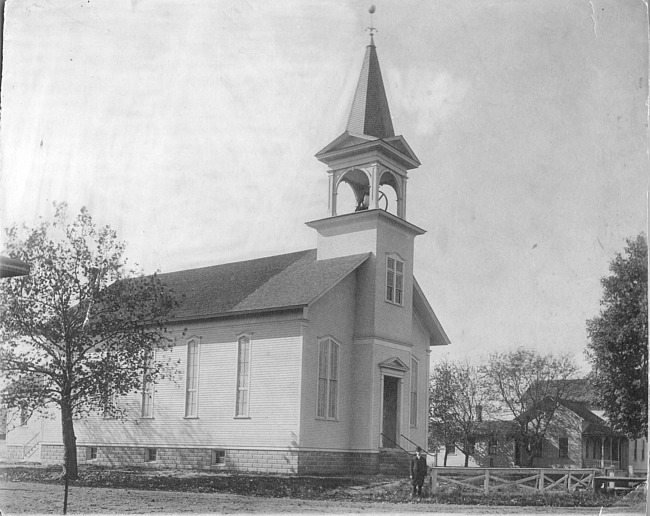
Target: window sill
{"points": [[191, 417], [331, 419], [394, 303], [242, 417]]}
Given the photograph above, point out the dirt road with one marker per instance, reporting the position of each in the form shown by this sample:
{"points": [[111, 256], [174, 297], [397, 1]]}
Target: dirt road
{"points": [[35, 498]]}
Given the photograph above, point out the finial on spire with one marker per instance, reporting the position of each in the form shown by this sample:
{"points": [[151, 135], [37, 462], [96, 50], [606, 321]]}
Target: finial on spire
{"points": [[372, 29]]}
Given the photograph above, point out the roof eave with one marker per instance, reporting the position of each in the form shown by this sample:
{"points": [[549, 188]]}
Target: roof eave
{"points": [[331, 153], [433, 323]]}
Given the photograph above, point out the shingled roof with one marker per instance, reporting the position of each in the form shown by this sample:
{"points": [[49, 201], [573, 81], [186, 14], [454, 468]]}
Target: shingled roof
{"points": [[275, 282]]}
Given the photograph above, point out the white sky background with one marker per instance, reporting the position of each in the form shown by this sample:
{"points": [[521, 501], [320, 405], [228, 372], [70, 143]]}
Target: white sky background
{"points": [[190, 127]]}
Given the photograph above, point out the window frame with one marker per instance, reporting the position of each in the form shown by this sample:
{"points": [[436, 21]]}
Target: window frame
{"points": [[238, 389], [217, 458], [332, 380], [149, 453], [394, 276], [414, 396], [197, 368], [147, 391], [563, 451], [91, 453]]}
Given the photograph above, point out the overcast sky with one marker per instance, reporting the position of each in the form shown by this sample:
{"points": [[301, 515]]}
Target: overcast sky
{"points": [[190, 127]]}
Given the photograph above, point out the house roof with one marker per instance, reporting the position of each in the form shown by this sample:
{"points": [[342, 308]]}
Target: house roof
{"points": [[574, 390], [10, 267], [272, 283]]}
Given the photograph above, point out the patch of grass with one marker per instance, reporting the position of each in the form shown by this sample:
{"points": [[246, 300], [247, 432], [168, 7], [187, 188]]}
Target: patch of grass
{"points": [[369, 488], [275, 486]]}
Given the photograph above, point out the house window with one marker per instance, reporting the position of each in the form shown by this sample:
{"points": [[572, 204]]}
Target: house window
{"points": [[91, 452], [563, 445], [414, 392], [328, 375], [243, 376], [492, 447], [24, 416], [636, 442], [218, 457], [150, 455], [394, 281], [450, 449], [192, 379], [642, 449], [147, 391]]}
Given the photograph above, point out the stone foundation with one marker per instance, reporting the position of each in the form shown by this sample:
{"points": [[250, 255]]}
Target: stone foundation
{"points": [[292, 462]]}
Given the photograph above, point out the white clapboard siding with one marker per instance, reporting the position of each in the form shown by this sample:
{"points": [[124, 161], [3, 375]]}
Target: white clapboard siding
{"points": [[419, 351], [332, 315], [276, 345]]}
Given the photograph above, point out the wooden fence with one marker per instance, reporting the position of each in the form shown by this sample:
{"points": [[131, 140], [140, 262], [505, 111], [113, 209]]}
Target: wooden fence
{"points": [[491, 480]]}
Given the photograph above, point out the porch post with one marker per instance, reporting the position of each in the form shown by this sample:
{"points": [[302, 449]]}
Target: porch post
{"points": [[602, 453]]}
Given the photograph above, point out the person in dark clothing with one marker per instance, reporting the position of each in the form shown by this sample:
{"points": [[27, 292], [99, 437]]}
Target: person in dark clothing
{"points": [[418, 471]]}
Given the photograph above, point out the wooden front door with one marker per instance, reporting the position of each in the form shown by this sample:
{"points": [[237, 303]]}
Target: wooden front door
{"points": [[390, 412]]}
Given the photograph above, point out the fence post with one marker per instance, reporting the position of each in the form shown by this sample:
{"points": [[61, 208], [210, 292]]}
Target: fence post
{"points": [[434, 481], [486, 482], [540, 481]]}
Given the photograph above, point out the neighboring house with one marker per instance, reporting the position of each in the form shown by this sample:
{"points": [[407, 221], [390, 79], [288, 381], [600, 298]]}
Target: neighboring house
{"points": [[578, 435], [312, 361], [493, 447], [638, 455]]}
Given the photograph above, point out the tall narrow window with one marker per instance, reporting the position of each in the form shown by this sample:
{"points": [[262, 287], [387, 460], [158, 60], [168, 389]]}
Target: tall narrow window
{"points": [[414, 392], [394, 281], [192, 379], [328, 365], [147, 391], [563, 445], [243, 376]]}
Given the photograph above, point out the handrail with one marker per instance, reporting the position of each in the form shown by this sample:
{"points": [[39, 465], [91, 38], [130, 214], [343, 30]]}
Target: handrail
{"points": [[396, 444], [415, 444], [28, 443]]}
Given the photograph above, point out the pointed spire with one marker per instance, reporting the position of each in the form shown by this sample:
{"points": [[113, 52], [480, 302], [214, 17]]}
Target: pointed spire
{"points": [[370, 114]]}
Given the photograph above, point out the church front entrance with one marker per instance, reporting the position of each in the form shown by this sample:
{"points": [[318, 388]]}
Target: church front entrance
{"points": [[390, 412]]}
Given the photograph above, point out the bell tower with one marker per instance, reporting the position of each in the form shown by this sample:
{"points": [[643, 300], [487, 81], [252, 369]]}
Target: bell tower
{"points": [[368, 155]]}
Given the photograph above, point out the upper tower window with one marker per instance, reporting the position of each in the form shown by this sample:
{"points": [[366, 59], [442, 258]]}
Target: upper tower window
{"points": [[394, 281]]}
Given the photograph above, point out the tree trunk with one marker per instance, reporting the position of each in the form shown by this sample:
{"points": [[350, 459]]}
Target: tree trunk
{"points": [[467, 460], [69, 443], [445, 461]]}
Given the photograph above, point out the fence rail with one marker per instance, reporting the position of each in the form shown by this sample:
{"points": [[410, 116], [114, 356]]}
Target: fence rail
{"points": [[490, 480]]}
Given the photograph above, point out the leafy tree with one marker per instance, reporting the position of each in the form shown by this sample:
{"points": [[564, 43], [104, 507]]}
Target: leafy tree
{"points": [[530, 385], [76, 333], [618, 341], [458, 400]]}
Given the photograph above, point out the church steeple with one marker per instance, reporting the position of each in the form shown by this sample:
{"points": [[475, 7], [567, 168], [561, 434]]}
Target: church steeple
{"points": [[368, 156], [370, 114]]}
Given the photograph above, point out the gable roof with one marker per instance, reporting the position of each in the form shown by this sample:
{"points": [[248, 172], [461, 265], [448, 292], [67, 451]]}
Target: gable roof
{"points": [[283, 281]]}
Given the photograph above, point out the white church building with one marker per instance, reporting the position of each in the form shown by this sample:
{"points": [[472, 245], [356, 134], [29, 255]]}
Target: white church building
{"points": [[310, 362]]}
